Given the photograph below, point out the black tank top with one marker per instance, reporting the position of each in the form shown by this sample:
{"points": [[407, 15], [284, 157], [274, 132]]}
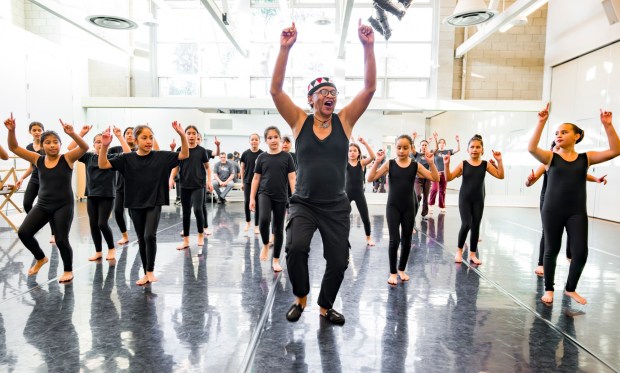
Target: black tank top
{"points": [[355, 178], [321, 164], [34, 176], [401, 182], [566, 185], [473, 181], [54, 184]]}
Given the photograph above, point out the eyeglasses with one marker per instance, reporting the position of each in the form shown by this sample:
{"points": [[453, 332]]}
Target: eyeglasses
{"points": [[326, 93]]}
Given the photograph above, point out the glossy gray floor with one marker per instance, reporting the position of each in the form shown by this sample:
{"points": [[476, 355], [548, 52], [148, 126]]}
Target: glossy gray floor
{"points": [[220, 309]]}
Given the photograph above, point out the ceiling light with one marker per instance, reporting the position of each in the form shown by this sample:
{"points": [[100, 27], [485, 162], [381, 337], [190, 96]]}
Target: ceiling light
{"points": [[469, 13], [112, 22]]}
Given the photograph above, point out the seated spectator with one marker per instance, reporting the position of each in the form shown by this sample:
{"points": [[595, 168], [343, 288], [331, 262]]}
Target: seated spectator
{"points": [[223, 177]]}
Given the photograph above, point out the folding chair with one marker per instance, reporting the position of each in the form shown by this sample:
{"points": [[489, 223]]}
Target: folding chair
{"points": [[7, 191]]}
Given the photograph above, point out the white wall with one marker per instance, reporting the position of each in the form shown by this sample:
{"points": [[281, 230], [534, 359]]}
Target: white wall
{"points": [[507, 132]]}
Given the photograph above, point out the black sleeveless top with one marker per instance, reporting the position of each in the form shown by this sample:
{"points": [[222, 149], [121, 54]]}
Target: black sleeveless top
{"points": [[54, 184], [472, 187], [355, 178], [34, 176], [401, 181], [321, 164], [566, 185]]}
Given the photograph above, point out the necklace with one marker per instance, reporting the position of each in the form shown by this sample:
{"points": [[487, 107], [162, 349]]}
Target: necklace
{"points": [[323, 123]]}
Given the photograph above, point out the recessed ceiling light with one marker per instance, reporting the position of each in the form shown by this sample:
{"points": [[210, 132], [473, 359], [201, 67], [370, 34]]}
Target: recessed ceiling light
{"points": [[112, 22]]}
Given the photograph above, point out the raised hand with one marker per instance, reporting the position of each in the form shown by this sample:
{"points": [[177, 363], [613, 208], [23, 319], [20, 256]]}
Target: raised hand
{"points": [[457, 138], [361, 140], [106, 137], [10, 123], [288, 36], [85, 129], [216, 141], [497, 155], [435, 134], [430, 140], [117, 131], [602, 179], [414, 135], [606, 117], [430, 157], [380, 156], [67, 127], [173, 145], [530, 178], [543, 115], [446, 158], [178, 128], [365, 33]]}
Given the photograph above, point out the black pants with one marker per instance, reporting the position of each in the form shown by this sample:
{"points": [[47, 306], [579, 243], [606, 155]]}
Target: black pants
{"points": [[362, 207], [333, 222], [471, 210], [264, 220], [61, 220], [146, 222], [192, 198], [422, 190], [247, 188], [541, 249], [576, 225], [119, 211], [204, 210], [399, 218], [32, 191], [99, 210]]}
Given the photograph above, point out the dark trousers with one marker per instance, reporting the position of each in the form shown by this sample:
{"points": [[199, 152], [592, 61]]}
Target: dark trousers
{"points": [[471, 215], [204, 210], [577, 230], [247, 188], [146, 222], [333, 222], [269, 206], [422, 188], [362, 207], [119, 211], [61, 220], [192, 198], [400, 224], [32, 191], [99, 210], [439, 188]]}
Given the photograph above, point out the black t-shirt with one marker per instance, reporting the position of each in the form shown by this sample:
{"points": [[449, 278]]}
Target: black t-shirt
{"points": [[274, 170], [146, 177], [99, 182], [34, 176], [120, 180], [248, 158], [192, 170], [421, 159], [439, 158], [55, 184]]}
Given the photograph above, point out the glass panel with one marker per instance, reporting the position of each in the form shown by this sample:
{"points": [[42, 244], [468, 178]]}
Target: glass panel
{"points": [[416, 25], [409, 60], [353, 86], [221, 59], [175, 59], [398, 88], [177, 87], [312, 60], [354, 59], [222, 87]]}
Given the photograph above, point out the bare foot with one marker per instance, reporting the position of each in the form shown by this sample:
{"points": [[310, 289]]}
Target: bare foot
{"points": [[256, 230], [207, 232], [393, 279], [458, 257], [547, 297], [184, 245], [143, 281], [403, 276], [264, 253], [37, 266], [369, 241], [275, 264], [124, 240], [151, 277], [247, 227], [66, 277], [201, 239], [578, 298], [95, 257], [540, 271], [52, 239], [111, 254], [474, 259]]}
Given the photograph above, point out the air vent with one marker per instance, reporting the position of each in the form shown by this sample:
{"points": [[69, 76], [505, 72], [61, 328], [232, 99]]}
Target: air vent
{"points": [[112, 22], [469, 13]]}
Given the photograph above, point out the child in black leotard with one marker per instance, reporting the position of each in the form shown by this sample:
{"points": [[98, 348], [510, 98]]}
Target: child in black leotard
{"points": [[400, 207], [146, 175], [355, 182], [565, 197], [119, 199], [194, 173], [55, 201], [471, 195], [274, 176], [248, 160]]}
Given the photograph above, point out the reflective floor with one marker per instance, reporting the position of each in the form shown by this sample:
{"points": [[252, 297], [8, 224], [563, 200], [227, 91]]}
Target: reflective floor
{"points": [[220, 309]]}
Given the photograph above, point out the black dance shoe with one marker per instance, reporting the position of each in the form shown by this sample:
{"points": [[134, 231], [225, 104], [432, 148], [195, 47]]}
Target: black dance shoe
{"points": [[294, 313], [334, 317]]}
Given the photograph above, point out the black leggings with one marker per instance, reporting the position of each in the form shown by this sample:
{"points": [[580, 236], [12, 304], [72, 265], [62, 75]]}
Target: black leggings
{"points": [[204, 210], [192, 198], [145, 221], [264, 220], [471, 216], [404, 220], [576, 225], [61, 220], [99, 210], [119, 211], [247, 188], [32, 191], [362, 207]]}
